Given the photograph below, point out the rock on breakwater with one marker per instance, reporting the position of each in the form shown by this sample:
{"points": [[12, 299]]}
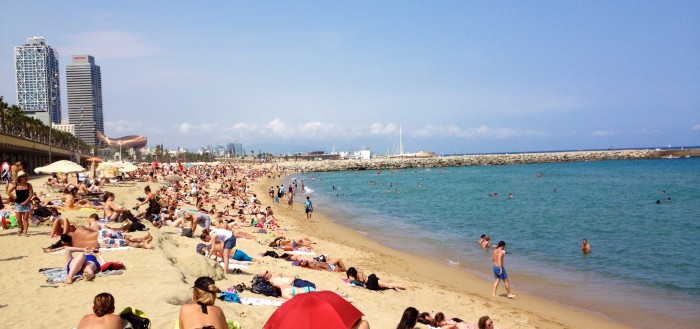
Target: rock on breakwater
{"points": [[472, 160]]}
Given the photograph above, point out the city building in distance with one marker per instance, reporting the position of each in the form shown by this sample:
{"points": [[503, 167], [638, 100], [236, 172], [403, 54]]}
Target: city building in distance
{"points": [[37, 78], [84, 86]]}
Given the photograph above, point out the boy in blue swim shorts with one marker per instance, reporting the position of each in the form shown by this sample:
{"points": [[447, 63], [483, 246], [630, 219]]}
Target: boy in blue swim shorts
{"points": [[499, 271]]}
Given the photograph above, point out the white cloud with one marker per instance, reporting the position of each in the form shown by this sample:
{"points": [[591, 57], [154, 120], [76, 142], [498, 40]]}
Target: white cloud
{"points": [[198, 129], [109, 45], [120, 126], [696, 127], [474, 132], [383, 129], [604, 133]]}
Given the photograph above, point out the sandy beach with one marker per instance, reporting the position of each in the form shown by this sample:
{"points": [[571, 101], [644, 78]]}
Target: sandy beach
{"points": [[159, 281]]}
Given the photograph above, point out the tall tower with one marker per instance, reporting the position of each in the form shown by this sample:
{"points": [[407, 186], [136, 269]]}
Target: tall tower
{"points": [[36, 73], [84, 85]]}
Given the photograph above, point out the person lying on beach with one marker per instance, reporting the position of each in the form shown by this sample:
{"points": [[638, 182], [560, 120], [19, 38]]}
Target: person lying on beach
{"points": [[111, 211], [372, 282], [71, 201], [103, 314], [282, 242], [86, 263], [333, 265], [408, 319], [202, 313], [442, 322], [84, 237], [290, 286]]}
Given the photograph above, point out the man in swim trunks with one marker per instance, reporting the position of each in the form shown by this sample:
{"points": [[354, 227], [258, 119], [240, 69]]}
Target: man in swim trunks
{"points": [[333, 265], [499, 271]]}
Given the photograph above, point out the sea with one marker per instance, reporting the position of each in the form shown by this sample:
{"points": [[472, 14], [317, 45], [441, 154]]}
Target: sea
{"points": [[641, 218]]}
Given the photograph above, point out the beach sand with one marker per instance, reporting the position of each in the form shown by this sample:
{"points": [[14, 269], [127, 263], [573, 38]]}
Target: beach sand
{"points": [[159, 281]]}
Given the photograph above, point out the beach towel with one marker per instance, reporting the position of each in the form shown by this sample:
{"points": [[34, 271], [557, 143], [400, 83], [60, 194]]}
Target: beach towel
{"points": [[300, 251], [260, 302], [59, 274], [101, 249], [232, 266]]}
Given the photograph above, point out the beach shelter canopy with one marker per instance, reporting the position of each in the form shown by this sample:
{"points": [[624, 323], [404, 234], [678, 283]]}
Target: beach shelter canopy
{"points": [[128, 167], [61, 166], [317, 310], [110, 164]]}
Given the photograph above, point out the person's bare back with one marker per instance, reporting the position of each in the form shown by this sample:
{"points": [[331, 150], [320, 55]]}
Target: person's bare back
{"points": [[107, 321]]}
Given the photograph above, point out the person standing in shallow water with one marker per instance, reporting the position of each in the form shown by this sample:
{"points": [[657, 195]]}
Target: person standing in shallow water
{"points": [[309, 208], [585, 247], [499, 271]]}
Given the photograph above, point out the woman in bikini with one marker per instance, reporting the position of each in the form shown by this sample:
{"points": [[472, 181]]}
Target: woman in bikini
{"points": [[284, 242], [87, 263], [333, 265], [111, 211], [372, 282], [202, 313], [71, 201], [60, 225], [23, 206]]}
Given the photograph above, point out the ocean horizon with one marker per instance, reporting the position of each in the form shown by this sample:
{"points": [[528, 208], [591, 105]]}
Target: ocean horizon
{"points": [[641, 271]]}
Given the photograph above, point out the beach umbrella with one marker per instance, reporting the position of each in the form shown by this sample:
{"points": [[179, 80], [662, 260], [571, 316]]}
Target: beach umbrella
{"points": [[173, 178], [127, 167], [315, 310], [61, 166], [110, 164]]}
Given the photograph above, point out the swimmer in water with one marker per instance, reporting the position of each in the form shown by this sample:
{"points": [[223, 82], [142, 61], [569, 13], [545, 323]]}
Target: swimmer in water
{"points": [[585, 247]]}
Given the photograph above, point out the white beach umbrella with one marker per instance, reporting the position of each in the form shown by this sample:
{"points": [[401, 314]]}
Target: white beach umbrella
{"points": [[127, 167], [61, 166]]}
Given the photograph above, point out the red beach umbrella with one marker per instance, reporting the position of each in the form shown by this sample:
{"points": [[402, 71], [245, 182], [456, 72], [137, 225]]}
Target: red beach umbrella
{"points": [[315, 310]]}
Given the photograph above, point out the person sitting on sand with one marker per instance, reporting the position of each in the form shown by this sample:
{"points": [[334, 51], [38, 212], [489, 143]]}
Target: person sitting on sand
{"points": [[282, 242], [202, 313], [372, 282], [87, 263], [408, 319], [333, 265], [103, 314], [111, 211], [60, 225]]}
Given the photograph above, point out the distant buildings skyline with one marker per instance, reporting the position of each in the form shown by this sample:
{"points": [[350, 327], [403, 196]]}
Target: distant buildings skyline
{"points": [[37, 77], [84, 96]]}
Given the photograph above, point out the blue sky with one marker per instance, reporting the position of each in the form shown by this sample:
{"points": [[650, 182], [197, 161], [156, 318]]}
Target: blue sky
{"points": [[455, 75]]}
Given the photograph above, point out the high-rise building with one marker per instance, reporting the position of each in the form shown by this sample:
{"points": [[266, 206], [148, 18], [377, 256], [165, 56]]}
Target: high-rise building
{"points": [[36, 73], [234, 149], [84, 86]]}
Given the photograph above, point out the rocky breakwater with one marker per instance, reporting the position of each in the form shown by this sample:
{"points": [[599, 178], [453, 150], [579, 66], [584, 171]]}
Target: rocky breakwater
{"points": [[473, 160]]}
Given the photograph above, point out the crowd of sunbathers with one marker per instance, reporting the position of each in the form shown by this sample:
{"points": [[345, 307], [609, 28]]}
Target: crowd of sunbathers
{"points": [[186, 203]]}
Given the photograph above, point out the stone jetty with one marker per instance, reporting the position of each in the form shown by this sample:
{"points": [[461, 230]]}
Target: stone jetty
{"points": [[476, 160]]}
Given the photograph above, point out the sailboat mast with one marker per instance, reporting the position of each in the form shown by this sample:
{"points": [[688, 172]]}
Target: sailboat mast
{"points": [[400, 142]]}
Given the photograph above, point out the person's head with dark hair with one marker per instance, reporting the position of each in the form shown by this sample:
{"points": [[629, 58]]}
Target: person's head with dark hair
{"points": [[107, 196], [485, 322], [501, 244], [103, 304], [94, 216], [351, 273], [66, 239], [147, 189], [206, 233], [483, 236], [424, 318], [409, 318]]}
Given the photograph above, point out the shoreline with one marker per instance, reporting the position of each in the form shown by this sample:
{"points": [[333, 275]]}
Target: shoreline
{"points": [[524, 311]]}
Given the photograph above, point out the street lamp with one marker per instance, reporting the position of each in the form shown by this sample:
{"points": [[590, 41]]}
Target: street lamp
{"points": [[120, 151], [53, 98]]}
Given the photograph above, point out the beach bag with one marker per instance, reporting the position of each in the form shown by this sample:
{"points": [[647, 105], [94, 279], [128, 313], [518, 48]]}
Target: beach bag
{"points": [[161, 202], [271, 253], [263, 287], [186, 232], [137, 226], [300, 283], [137, 318]]}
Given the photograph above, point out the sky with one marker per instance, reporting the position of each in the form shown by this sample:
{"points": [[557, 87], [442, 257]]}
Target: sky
{"points": [[453, 76]]}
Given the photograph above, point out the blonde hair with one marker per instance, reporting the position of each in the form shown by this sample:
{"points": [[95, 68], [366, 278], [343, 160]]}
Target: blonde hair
{"points": [[205, 291]]}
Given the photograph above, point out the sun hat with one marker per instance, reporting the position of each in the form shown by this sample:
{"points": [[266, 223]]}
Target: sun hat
{"points": [[21, 173]]}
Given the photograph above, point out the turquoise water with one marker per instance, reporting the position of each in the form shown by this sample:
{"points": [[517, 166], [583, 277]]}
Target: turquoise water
{"points": [[643, 269]]}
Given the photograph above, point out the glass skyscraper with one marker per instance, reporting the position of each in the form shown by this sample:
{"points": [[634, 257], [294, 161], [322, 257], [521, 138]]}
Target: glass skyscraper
{"points": [[37, 77], [84, 86]]}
